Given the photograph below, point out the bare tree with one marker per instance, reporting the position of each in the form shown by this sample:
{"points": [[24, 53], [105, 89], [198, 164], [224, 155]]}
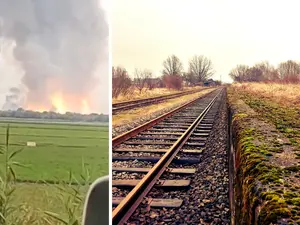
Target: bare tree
{"points": [[190, 78], [172, 66], [288, 72], [253, 74], [239, 73], [150, 81], [158, 82], [141, 78], [289, 68], [269, 72], [201, 67], [244, 73], [172, 72], [121, 82]]}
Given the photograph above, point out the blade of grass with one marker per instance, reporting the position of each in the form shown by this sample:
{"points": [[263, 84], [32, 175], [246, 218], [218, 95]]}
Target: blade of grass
{"points": [[12, 172], [15, 153], [7, 136], [2, 150], [18, 164], [55, 216], [2, 217]]}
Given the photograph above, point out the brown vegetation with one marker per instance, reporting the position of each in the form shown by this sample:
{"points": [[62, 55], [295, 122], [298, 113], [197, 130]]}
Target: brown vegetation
{"points": [[285, 94], [286, 72], [146, 93], [121, 82], [173, 81], [130, 116], [173, 76], [142, 78]]}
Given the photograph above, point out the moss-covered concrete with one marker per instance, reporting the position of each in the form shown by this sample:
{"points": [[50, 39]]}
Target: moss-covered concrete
{"points": [[266, 182]]}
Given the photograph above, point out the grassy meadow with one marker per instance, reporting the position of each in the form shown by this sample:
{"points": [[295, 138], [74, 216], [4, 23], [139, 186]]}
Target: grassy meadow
{"points": [[284, 94], [276, 103], [60, 149]]}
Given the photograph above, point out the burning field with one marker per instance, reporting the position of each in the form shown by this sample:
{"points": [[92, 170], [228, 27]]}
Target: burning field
{"points": [[59, 52], [61, 103], [56, 101]]}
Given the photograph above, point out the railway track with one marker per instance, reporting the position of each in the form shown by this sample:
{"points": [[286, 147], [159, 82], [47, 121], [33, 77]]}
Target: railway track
{"points": [[161, 156], [122, 106]]}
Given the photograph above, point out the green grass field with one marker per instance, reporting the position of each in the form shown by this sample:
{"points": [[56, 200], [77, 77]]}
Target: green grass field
{"points": [[60, 148]]}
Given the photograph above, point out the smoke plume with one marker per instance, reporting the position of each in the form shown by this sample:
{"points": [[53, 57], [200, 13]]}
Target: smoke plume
{"points": [[59, 44], [13, 99]]}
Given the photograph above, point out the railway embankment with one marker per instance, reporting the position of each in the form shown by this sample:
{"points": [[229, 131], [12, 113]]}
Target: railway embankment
{"points": [[264, 162]]}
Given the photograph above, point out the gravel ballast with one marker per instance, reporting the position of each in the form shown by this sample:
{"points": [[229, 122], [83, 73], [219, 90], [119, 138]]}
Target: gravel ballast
{"points": [[207, 200]]}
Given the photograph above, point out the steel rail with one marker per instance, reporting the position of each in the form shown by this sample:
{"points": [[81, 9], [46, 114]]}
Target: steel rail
{"points": [[129, 204], [153, 98], [133, 132], [140, 102]]}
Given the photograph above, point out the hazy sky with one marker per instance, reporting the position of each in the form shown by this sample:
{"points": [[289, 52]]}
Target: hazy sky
{"points": [[229, 32]]}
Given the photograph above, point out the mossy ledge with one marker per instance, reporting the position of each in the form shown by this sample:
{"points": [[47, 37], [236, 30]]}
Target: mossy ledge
{"points": [[263, 191]]}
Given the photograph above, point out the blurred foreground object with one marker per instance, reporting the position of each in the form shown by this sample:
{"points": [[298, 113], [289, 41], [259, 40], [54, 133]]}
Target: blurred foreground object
{"points": [[97, 203]]}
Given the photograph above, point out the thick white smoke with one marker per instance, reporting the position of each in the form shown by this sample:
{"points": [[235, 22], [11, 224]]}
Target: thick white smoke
{"points": [[59, 44]]}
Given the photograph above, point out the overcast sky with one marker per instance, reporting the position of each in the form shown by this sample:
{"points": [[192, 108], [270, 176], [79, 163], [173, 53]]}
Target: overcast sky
{"points": [[229, 32]]}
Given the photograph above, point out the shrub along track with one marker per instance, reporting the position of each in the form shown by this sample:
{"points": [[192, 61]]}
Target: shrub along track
{"points": [[173, 169], [122, 106]]}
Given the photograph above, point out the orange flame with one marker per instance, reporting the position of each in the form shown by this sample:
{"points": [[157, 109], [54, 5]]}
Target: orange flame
{"points": [[62, 104], [37, 108], [70, 103], [85, 108], [58, 102]]}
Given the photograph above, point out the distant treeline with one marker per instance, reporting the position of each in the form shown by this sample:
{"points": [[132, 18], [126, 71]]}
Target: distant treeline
{"points": [[288, 72], [68, 116], [200, 69]]}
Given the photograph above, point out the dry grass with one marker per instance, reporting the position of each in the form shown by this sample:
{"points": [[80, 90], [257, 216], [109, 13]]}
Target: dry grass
{"points": [[149, 93], [135, 114], [35, 199], [286, 94]]}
